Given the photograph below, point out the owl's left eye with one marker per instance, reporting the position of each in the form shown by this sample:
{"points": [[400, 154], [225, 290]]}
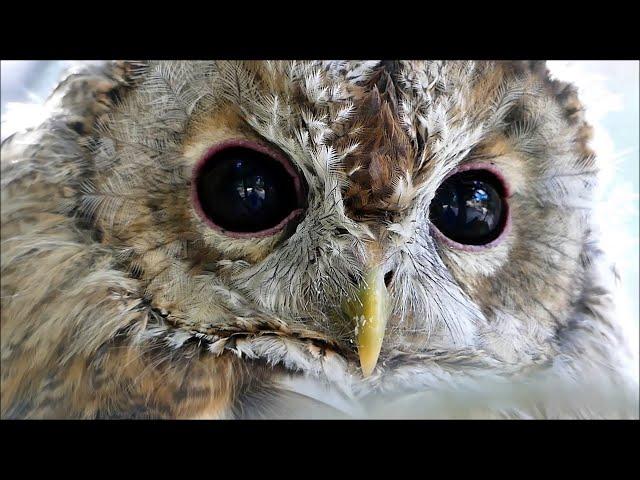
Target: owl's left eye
{"points": [[470, 208], [246, 190]]}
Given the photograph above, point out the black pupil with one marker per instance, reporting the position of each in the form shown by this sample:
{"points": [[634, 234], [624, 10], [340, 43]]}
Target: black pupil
{"points": [[242, 190], [469, 207]]}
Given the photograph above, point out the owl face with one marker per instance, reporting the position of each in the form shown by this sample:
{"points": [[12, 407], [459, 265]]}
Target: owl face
{"points": [[223, 239], [425, 211]]}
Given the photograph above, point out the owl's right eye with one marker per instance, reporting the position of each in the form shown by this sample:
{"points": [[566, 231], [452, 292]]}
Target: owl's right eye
{"points": [[246, 190]]}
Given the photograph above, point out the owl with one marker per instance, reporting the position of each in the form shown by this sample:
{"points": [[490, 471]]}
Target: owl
{"points": [[307, 239]]}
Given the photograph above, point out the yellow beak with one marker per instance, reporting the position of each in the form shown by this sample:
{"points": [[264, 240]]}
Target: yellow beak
{"points": [[369, 309]]}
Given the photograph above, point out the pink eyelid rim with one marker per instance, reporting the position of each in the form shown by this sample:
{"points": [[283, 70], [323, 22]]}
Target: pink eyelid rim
{"points": [[489, 167], [280, 158]]}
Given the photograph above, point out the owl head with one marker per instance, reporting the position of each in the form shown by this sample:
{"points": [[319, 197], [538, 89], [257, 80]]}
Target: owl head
{"points": [[376, 226]]}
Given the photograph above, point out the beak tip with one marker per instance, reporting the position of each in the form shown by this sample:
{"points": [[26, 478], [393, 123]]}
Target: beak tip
{"points": [[368, 364], [367, 371]]}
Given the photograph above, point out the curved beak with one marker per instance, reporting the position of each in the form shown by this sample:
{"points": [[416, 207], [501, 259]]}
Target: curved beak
{"points": [[369, 310]]}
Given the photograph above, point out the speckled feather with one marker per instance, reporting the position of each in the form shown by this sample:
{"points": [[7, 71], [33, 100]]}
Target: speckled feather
{"points": [[118, 301]]}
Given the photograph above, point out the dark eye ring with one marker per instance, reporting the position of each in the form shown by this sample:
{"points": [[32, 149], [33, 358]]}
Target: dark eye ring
{"points": [[246, 190], [470, 210]]}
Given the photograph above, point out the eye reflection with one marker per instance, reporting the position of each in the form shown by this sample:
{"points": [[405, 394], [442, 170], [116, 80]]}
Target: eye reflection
{"points": [[252, 192]]}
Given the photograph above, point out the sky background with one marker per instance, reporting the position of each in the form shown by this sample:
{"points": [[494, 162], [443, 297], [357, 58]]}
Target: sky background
{"points": [[608, 89]]}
